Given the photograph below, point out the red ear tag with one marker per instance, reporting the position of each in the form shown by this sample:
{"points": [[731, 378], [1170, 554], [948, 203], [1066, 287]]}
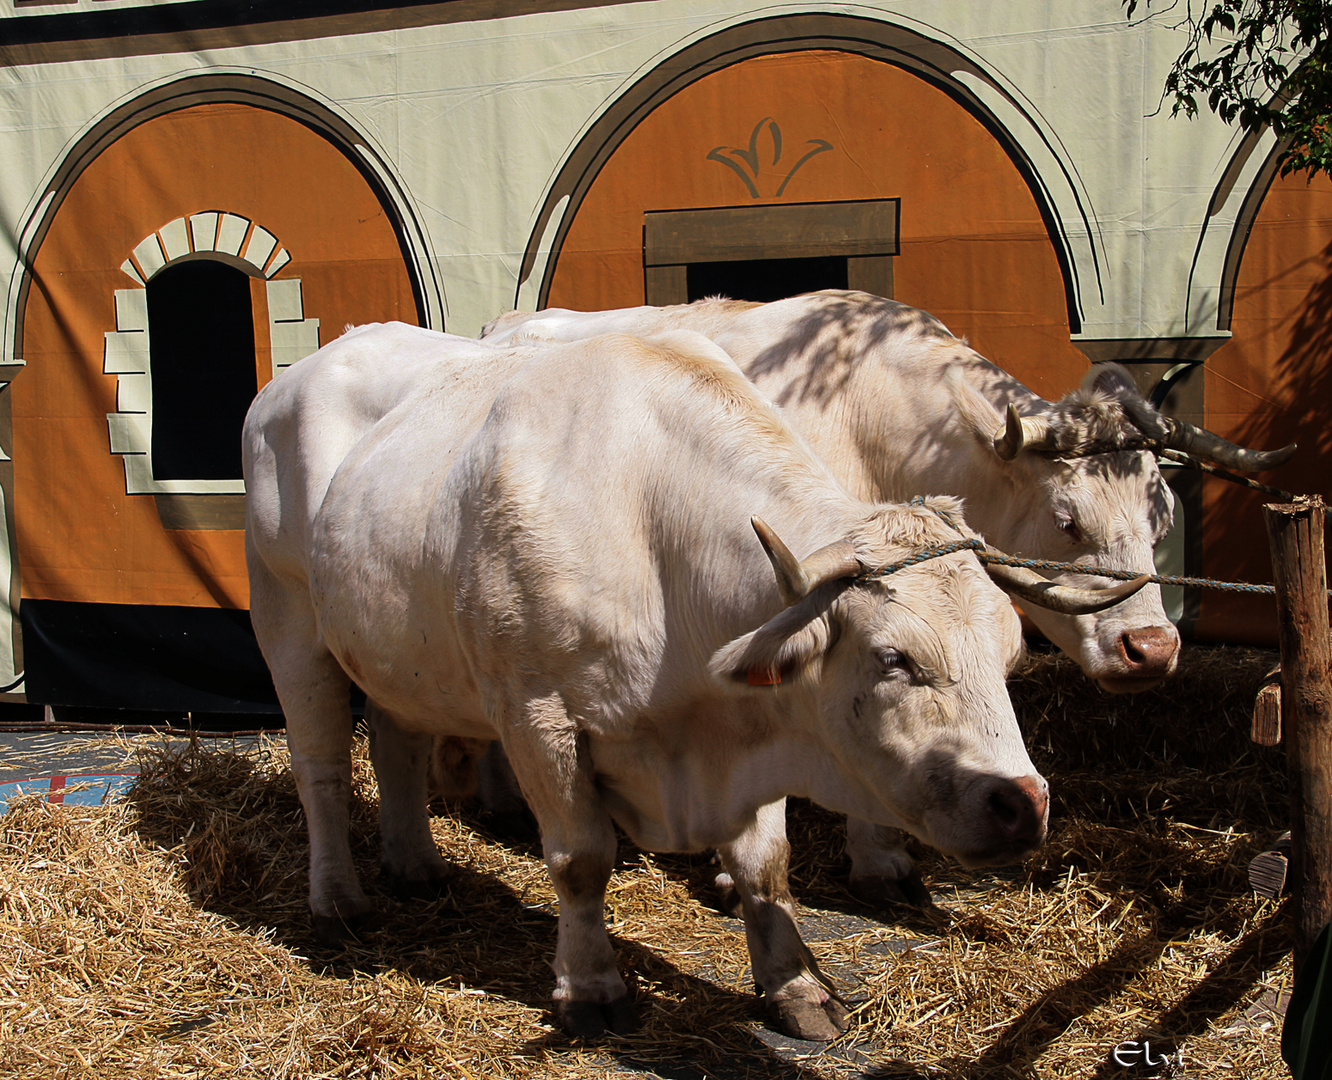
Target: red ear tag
{"points": [[764, 676]]}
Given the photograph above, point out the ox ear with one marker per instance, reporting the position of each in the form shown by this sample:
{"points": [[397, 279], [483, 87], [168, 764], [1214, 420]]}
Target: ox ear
{"points": [[1112, 380], [784, 650]]}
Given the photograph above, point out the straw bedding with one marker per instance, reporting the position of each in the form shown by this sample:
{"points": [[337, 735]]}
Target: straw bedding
{"points": [[167, 935]]}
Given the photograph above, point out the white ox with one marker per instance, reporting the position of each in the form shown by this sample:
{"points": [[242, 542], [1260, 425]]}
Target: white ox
{"points": [[564, 561], [897, 406]]}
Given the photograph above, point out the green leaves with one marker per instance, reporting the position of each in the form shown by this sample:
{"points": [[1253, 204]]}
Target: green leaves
{"points": [[1258, 64]]}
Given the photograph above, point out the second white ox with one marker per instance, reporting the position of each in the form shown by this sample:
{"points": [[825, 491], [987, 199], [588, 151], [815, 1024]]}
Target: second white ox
{"points": [[567, 564], [897, 406]]}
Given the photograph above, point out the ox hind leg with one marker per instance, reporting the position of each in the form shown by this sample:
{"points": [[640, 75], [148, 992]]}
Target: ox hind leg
{"points": [[882, 873], [411, 861], [314, 693], [800, 1000], [462, 769], [551, 763]]}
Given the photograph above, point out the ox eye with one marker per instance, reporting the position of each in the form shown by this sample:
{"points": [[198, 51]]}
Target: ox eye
{"points": [[894, 665], [1069, 527]]}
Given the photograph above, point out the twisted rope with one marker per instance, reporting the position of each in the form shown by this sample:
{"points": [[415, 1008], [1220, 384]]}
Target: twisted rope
{"points": [[1129, 575], [1093, 449], [929, 553], [1181, 458], [987, 556]]}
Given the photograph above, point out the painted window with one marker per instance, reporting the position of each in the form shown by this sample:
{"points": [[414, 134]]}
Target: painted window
{"points": [[767, 252], [201, 353], [185, 352], [761, 280]]}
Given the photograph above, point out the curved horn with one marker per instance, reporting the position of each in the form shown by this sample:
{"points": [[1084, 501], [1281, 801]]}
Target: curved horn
{"points": [[785, 565], [1031, 587], [1201, 443], [797, 579], [1019, 431], [830, 563]]}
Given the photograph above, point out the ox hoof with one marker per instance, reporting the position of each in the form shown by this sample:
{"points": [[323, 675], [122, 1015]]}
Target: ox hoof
{"points": [[812, 1021], [591, 1020], [879, 891], [728, 897], [335, 931], [401, 888]]}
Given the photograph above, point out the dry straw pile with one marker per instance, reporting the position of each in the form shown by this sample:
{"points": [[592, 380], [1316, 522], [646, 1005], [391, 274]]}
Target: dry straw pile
{"points": [[167, 935]]}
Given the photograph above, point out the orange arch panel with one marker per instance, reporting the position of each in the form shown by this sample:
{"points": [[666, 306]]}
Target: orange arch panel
{"points": [[79, 535], [1269, 385], [974, 248]]}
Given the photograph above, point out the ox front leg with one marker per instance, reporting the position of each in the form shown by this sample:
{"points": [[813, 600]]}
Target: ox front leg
{"points": [[551, 764], [800, 1000], [411, 861], [882, 873]]}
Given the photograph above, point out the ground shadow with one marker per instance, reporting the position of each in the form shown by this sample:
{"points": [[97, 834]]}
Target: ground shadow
{"points": [[1030, 1034], [1224, 986], [1165, 770], [240, 831]]}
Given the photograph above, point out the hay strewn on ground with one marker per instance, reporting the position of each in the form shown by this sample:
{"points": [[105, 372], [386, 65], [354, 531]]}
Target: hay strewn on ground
{"points": [[168, 935]]}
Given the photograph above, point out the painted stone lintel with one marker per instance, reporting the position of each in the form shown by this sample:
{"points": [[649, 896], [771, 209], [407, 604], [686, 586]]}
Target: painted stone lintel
{"points": [[201, 512]]}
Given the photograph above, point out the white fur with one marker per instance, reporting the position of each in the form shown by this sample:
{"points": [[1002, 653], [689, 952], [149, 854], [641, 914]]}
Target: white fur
{"points": [[552, 546], [897, 407]]}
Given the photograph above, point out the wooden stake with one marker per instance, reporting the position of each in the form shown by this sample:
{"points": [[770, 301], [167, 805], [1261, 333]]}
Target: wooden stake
{"points": [[1295, 532], [1266, 727], [1267, 872]]}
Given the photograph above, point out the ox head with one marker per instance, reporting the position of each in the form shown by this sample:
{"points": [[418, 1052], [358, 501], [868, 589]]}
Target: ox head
{"points": [[1085, 487], [901, 679]]}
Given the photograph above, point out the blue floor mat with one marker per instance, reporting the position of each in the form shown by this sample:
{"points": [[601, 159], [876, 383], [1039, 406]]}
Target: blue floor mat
{"points": [[83, 789]]}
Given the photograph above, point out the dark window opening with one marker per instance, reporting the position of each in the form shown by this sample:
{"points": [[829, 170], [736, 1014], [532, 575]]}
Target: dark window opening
{"points": [[201, 347], [762, 280]]}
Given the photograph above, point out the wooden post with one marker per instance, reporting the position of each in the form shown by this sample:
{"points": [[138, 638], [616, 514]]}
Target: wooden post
{"points": [[1295, 531]]}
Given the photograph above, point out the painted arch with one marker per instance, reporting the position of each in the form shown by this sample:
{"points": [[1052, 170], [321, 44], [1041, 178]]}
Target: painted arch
{"points": [[858, 84], [261, 202], [1269, 384]]}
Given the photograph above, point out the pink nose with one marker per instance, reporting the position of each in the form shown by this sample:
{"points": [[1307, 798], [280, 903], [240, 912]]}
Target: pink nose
{"points": [[1148, 650], [1018, 810]]}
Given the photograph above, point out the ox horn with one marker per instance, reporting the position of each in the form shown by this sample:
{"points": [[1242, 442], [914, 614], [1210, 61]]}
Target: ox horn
{"points": [[1209, 446], [1030, 586], [1021, 431], [797, 579]]}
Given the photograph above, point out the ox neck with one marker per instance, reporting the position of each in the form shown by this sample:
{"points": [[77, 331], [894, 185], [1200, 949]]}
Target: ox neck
{"points": [[794, 761]]}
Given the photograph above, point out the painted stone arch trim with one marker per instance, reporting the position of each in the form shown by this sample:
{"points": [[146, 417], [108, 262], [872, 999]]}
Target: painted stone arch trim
{"points": [[1231, 212], [1020, 131], [226, 237], [242, 87], [212, 233]]}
